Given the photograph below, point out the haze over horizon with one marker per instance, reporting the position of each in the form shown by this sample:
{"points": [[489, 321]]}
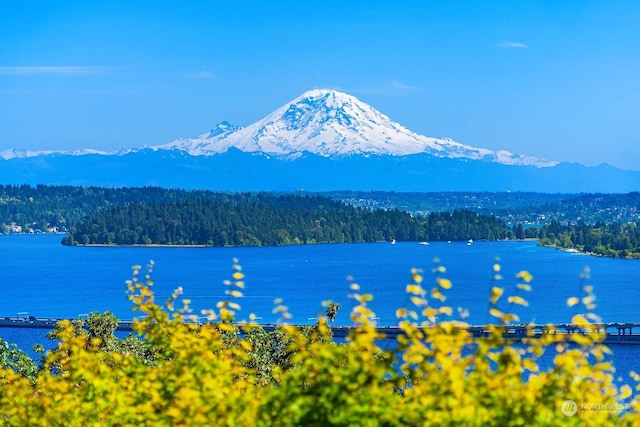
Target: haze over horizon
{"points": [[554, 80]]}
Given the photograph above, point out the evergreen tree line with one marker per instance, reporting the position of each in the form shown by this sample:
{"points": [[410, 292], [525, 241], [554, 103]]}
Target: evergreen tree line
{"points": [[266, 219], [611, 240]]}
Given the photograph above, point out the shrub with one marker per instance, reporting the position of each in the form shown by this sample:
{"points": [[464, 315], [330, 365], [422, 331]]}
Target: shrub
{"points": [[226, 373]]}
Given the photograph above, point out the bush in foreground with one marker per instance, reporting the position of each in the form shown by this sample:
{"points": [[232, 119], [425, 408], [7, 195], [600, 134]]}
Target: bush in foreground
{"points": [[224, 373]]}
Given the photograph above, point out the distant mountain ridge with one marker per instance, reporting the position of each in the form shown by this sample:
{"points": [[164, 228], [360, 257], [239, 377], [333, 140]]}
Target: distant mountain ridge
{"points": [[13, 153], [321, 141]]}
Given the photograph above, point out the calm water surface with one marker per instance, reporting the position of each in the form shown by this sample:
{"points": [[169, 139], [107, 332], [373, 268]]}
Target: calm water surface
{"points": [[40, 276]]}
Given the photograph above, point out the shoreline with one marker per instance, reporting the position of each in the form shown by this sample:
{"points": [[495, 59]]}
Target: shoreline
{"points": [[575, 251], [165, 245], [152, 245]]}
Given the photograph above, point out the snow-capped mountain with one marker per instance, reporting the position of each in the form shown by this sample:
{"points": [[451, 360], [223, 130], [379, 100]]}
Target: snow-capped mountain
{"points": [[321, 141], [323, 122], [329, 123]]}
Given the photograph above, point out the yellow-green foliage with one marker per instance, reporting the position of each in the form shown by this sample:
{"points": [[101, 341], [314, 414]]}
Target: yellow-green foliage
{"points": [[210, 375]]}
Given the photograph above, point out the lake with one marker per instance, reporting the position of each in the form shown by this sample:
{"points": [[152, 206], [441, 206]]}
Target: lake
{"points": [[40, 276], [46, 279]]}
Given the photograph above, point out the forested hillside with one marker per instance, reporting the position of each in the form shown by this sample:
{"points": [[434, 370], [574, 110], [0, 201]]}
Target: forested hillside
{"points": [[513, 207], [266, 219], [24, 208]]}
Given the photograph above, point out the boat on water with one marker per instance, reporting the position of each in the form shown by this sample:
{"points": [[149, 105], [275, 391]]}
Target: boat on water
{"points": [[469, 242]]}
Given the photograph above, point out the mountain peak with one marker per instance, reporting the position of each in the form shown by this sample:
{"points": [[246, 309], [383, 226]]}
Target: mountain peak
{"points": [[221, 128], [320, 92], [330, 123], [330, 97]]}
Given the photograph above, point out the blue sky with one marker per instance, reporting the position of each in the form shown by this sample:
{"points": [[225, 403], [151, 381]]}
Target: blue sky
{"points": [[554, 79]]}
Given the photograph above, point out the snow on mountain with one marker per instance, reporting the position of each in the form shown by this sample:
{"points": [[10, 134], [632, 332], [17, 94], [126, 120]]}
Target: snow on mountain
{"points": [[202, 145], [222, 128], [11, 153], [22, 154], [323, 122], [331, 123]]}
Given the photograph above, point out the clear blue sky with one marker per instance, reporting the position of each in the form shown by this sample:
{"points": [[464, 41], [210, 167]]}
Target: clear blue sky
{"points": [[554, 79]]}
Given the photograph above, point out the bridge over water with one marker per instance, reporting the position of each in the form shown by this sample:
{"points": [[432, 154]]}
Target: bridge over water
{"points": [[616, 333]]}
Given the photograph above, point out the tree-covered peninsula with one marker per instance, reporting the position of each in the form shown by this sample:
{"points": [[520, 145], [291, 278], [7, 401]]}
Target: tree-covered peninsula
{"points": [[614, 240], [266, 219]]}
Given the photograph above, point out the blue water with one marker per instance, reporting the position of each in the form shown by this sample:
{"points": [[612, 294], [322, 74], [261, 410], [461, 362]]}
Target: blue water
{"points": [[46, 279], [40, 276]]}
